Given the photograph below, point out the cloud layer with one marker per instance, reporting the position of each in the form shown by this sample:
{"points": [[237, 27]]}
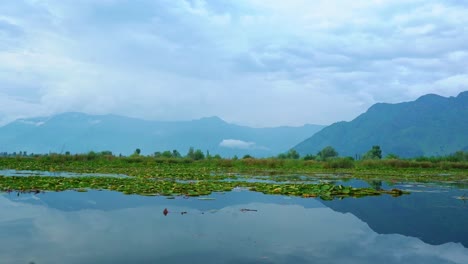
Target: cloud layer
{"points": [[236, 144], [254, 62]]}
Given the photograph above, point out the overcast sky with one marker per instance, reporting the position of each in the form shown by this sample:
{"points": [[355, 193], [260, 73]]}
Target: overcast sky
{"points": [[251, 62]]}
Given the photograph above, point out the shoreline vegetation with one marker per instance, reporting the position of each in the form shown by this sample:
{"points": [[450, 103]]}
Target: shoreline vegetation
{"points": [[170, 174]]}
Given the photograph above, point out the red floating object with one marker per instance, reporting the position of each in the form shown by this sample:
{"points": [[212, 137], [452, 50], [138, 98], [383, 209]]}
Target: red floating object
{"points": [[165, 212]]}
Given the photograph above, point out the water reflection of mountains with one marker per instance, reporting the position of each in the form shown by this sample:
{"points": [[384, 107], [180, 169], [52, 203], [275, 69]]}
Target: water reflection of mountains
{"points": [[280, 232], [435, 218], [107, 201]]}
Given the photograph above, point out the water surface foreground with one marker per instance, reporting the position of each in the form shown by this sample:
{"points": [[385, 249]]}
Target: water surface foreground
{"points": [[427, 226]]}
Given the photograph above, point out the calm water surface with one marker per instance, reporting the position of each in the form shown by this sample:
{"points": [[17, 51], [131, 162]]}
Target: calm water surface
{"points": [[428, 226]]}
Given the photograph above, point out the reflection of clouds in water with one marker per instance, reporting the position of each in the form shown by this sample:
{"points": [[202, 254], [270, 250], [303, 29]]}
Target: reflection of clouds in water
{"points": [[274, 234]]}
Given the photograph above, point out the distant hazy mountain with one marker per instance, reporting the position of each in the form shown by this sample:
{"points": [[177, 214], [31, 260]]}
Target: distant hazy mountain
{"points": [[80, 133], [431, 125]]}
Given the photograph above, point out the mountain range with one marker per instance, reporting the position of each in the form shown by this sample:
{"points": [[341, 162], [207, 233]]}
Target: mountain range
{"points": [[81, 133], [432, 125]]}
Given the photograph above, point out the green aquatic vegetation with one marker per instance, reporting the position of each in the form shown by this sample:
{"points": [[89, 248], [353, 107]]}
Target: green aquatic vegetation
{"points": [[150, 187], [181, 169], [149, 176]]}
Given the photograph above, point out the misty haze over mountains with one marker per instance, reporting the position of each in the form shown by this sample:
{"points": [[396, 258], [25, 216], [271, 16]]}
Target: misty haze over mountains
{"points": [[432, 125], [81, 133]]}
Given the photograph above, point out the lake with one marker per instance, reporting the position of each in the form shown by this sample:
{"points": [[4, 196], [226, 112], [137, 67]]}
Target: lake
{"points": [[428, 226]]}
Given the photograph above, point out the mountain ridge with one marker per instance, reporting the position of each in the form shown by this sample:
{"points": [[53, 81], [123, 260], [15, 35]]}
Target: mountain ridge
{"points": [[432, 125], [79, 133]]}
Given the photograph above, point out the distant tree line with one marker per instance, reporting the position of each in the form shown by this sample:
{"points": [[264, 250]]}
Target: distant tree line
{"points": [[328, 155]]}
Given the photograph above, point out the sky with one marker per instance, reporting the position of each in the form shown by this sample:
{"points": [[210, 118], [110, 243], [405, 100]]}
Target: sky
{"points": [[251, 62]]}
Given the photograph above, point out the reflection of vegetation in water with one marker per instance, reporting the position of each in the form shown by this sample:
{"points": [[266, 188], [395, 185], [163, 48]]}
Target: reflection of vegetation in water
{"points": [[463, 197], [377, 185]]}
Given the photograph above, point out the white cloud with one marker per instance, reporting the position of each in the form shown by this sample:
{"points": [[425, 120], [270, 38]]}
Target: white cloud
{"points": [[453, 81], [284, 61], [27, 122], [236, 144]]}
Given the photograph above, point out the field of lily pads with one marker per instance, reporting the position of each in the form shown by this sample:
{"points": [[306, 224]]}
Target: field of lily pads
{"points": [[167, 177]]}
